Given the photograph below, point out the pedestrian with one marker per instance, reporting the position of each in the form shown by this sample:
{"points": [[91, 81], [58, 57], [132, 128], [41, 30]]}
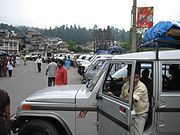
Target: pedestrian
{"points": [[68, 62], [1, 67], [61, 73], [39, 63], [10, 67], [4, 113], [24, 59], [5, 61], [17, 60], [140, 103], [51, 72], [48, 60], [74, 63], [13, 60], [64, 60]]}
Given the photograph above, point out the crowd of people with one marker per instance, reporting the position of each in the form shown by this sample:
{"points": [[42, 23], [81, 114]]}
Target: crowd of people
{"points": [[7, 64], [57, 71]]}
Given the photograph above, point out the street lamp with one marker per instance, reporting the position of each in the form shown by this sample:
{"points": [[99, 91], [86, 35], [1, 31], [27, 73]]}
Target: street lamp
{"points": [[133, 28]]}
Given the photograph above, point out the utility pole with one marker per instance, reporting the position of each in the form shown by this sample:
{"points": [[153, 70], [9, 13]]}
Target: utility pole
{"points": [[133, 29]]}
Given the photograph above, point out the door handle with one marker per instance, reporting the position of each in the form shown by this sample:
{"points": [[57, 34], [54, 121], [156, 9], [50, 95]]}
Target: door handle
{"points": [[160, 123], [161, 104]]}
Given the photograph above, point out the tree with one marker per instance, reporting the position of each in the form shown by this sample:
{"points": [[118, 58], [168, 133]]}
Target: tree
{"points": [[75, 33], [71, 45], [126, 46]]}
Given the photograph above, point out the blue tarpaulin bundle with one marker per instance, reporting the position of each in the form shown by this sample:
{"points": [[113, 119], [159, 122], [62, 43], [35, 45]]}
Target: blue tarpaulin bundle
{"points": [[112, 50], [164, 33], [102, 52], [116, 50]]}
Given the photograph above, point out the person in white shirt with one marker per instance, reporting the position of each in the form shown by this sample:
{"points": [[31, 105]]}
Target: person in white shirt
{"points": [[17, 60], [39, 63], [10, 67]]}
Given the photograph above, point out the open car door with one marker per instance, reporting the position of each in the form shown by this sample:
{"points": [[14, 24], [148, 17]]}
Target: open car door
{"points": [[114, 113]]}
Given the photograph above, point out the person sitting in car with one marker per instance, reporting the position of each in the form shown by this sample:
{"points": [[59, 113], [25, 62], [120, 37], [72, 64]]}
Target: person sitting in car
{"points": [[173, 82]]}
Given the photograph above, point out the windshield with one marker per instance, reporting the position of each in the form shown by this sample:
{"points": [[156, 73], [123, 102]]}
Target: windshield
{"points": [[97, 76], [98, 64]]}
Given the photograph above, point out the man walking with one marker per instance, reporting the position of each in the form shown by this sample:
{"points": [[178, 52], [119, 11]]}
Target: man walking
{"points": [[39, 63], [10, 67], [51, 72]]}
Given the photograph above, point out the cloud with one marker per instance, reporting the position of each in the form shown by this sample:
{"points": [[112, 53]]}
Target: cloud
{"points": [[86, 13]]}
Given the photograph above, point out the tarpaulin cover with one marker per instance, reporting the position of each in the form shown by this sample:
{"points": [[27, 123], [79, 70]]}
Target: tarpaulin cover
{"points": [[116, 50], [112, 50], [102, 52], [159, 34]]}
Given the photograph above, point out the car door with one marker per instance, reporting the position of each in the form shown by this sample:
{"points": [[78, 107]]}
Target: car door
{"points": [[168, 105], [114, 113]]}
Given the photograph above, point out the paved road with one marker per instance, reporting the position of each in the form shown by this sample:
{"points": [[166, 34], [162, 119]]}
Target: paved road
{"points": [[26, 80]]}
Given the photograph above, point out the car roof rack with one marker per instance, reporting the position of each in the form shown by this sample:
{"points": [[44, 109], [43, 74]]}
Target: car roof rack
{"points": [[165, 34]]}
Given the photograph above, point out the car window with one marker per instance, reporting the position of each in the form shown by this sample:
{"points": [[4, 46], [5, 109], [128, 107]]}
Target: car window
{"points": [[116, 77], [170, 76]]}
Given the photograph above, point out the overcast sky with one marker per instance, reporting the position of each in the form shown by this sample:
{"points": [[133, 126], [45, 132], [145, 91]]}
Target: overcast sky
{"points": [[86, 13]]}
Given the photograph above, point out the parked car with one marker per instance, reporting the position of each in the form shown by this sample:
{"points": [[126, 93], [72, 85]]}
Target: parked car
{"points": [[85, 64], [59, 56], [90, 110], [32, 56], [92, 69], [82, 58]]}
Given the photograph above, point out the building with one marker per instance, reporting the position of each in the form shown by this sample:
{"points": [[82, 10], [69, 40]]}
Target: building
{"points": [[56, 45], [9, 42], [32, 41], [103, 39], [37, 42]]}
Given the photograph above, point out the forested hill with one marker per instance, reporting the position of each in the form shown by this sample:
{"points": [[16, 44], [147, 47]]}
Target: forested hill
{"points": [[76, 33]]}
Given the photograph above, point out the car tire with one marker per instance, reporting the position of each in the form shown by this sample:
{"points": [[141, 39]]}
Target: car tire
{"points": [[38, 127]]}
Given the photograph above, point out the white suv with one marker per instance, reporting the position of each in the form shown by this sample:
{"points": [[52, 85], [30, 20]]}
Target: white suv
{"points": [[89, 110]]}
